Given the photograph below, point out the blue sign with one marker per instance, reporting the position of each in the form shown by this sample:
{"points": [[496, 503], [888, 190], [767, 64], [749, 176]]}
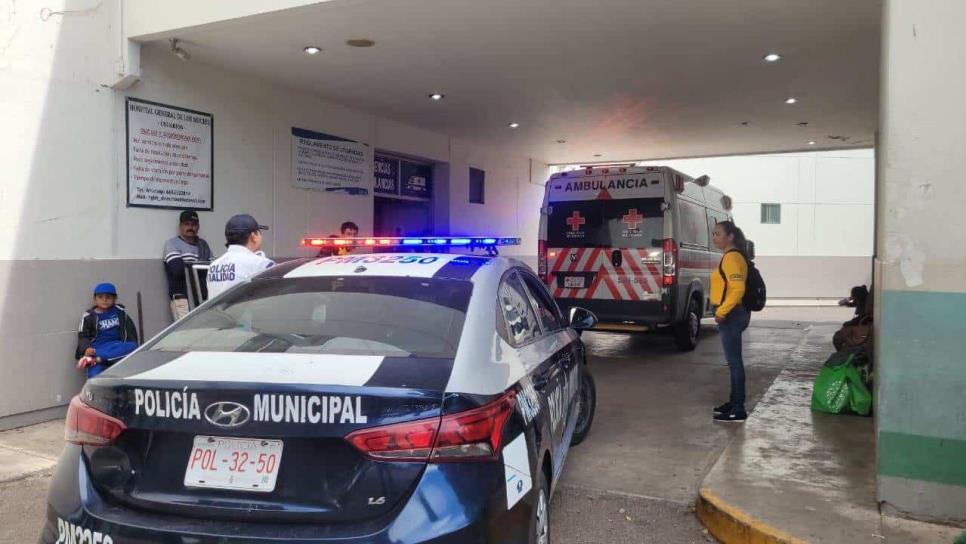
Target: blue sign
{"points": [[416, 179], [385, 170]]}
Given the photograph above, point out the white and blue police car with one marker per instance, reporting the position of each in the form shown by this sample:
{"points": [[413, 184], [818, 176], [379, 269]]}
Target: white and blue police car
{"points": [[379, 398]]}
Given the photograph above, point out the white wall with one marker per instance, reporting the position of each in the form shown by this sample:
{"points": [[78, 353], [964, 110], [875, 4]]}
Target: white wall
{"points": [[252, 122], [827, 199]]}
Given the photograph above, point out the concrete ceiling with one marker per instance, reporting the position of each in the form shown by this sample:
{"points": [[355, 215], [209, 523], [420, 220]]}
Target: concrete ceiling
{"points": [[623, 79]]}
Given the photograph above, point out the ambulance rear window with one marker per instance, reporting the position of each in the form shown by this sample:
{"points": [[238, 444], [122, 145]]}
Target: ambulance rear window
{"points": [[626, 222]]}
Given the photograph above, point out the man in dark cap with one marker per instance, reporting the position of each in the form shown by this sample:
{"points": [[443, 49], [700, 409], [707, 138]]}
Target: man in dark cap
{"points": [[244, 259], [179, 253]]}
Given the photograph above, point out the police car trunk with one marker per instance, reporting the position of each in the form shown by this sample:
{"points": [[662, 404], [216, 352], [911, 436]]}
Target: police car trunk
{"points": [[607, 245], [300, 399]]}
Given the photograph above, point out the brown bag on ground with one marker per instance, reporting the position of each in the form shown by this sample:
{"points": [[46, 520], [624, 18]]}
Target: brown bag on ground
{"points": [[858, 335]]}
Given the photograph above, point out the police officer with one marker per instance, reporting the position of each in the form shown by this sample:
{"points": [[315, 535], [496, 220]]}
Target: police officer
{"points": [[244, 259]]}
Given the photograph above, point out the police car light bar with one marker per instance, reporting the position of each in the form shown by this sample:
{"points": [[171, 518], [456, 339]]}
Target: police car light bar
{"points": [[431, 241]]}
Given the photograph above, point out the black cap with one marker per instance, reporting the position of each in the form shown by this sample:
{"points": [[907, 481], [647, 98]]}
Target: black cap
{"points": [[188, 215], [242, 223]]}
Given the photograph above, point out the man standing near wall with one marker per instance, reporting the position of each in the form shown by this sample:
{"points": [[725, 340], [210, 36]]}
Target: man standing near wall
{"points": [[179, 253]]}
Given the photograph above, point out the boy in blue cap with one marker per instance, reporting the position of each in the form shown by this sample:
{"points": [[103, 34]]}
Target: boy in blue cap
{"points": [[106, 333]]}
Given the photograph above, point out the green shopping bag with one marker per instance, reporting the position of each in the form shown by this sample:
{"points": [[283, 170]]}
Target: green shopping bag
{"points": [[839, 388]]}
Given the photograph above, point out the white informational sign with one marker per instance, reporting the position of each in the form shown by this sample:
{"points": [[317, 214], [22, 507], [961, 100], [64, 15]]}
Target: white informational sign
{"points": [[328, 163], [170, 158]]}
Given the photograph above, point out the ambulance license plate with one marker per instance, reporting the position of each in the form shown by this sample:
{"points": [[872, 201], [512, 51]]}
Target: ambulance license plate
{"points": [[243, 464], [574, 282]]}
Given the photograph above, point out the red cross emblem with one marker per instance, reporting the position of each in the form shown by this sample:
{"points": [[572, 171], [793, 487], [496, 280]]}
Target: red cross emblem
{"points": [[633, 219], [575, 220]]}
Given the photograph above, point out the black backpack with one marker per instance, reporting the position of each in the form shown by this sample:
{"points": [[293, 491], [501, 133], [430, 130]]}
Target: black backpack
{"points": [[754, 298]]}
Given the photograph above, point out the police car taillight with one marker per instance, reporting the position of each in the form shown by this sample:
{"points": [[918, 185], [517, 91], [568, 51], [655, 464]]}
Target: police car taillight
{"points": [[85, 425], [473, 435], [410, 441], [670, 262]]}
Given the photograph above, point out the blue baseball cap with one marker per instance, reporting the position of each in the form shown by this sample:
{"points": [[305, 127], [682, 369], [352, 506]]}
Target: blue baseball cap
{"points": [[105, 289], [242, 223]]}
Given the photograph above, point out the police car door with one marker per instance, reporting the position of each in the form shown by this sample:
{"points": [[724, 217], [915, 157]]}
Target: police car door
{"points": [[563, 399], [541, 355]]}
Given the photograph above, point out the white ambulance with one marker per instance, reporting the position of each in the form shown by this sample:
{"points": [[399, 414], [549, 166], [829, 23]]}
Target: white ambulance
{"points": [[633, 245]]}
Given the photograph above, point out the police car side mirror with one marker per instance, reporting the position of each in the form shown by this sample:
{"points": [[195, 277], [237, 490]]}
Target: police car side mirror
{"points": [[582, 319]]}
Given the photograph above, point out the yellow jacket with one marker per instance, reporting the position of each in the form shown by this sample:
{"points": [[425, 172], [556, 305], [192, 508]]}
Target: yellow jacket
{"points": [[736, 271]]}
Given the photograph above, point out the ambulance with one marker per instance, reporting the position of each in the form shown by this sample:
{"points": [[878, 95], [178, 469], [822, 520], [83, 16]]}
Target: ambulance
{"points": [[632, 245]]}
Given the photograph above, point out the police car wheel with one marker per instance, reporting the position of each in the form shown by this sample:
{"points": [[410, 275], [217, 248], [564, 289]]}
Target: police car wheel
{"points": [[540, 519], [586, 406], [686, 332]]}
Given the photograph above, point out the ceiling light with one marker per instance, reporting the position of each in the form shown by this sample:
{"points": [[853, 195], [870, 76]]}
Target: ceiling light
{"points": [[360, 42], [597, 154], [745, 123], [811, 142], [791, 100], [772, 57], [437, 96], [561, 141], [803, 124], [312, 50], [514, 125]]}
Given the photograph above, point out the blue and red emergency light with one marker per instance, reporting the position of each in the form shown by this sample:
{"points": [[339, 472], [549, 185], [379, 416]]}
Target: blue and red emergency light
{"points": [[429, 241]]}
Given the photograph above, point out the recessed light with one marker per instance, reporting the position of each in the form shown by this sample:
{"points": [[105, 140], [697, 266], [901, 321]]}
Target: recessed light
{"points": [[437, 96], [360, 42], [561, 141], [745, 123], [597, 155], [312, 50], [812, 142], [514, 125], [772, 57], [791, 100]]}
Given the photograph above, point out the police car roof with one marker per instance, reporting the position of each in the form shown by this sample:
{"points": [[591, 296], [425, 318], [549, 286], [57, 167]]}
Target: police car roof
{"points": [[417, 265]]}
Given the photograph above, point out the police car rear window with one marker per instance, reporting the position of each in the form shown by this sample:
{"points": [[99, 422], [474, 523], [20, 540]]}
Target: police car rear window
{"points": [[386, 316]]}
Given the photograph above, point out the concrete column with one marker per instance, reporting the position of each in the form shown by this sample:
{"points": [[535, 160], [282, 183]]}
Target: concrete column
{"points": [[921, 264]]}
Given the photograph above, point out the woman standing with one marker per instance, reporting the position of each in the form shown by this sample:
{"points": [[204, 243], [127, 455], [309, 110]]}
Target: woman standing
{"points": [[727, 291]]}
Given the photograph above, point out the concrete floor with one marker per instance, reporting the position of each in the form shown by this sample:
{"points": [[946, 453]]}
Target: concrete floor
{"points": [[636, 477], [808, 474]]}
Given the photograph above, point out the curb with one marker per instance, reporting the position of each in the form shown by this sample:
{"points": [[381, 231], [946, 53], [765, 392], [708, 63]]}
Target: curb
{"points": [[731, 525]]}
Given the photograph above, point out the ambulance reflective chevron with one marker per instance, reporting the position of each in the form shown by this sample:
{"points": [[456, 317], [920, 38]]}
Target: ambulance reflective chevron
{"points": [[632, 244]]}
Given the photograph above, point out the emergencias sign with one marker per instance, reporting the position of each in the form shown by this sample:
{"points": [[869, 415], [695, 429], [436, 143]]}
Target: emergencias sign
{"points": [[170, 156]]}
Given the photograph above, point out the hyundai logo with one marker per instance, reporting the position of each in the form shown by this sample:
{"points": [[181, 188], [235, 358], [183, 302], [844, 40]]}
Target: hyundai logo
{"points": [[227, 414]]}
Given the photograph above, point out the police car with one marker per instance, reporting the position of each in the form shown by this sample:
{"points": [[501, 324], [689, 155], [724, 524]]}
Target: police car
{"points": [[383, 397]]}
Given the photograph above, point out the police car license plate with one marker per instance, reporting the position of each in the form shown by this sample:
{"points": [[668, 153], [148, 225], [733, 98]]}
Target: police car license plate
{"points": [[234, 463], [574, 282]]}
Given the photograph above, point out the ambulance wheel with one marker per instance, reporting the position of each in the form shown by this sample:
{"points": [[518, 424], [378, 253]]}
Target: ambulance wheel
{"points": [[540, 518], [686, 332], [586, 406]]}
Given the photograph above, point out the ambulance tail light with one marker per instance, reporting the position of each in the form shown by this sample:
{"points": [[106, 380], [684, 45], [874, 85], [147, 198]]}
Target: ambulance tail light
{"points": [[85, 425], [542, 262], [670, 262], [473, 435]]}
